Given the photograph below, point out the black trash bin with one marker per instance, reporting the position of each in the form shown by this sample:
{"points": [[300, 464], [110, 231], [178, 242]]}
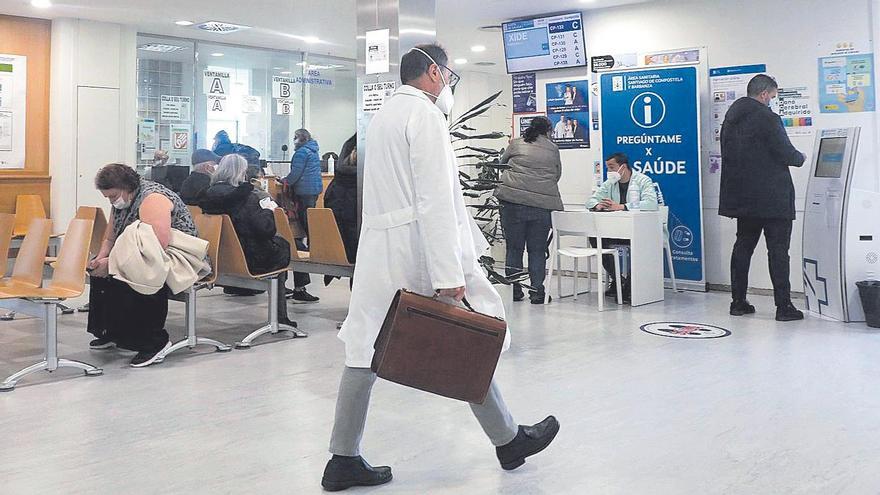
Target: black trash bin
{"points": [[869, 292]]}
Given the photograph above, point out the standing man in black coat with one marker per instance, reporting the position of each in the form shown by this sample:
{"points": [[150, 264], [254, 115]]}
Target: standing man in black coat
{"points": [[757, 190]]}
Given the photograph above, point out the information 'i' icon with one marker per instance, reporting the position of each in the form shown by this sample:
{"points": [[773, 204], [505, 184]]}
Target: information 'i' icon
{"points": [[649, 117]]}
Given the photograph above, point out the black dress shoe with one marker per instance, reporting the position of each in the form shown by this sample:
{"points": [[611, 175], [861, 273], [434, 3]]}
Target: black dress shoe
{"points": [[344, 472], [529, 441], [788, 313], [739, 308], [518, 296], [300, 295], [539, 299], [611, 291]]}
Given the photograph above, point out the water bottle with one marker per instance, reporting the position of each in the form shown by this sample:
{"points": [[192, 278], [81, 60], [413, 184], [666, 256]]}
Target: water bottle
{"points": [[633, 198], [331, 165]]}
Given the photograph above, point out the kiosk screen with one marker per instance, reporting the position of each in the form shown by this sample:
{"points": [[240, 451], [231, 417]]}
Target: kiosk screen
{"points": [[830, 162]]}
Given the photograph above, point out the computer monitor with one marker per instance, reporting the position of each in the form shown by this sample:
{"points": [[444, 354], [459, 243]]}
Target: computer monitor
{"points": [[830, 161], [171, 176]]}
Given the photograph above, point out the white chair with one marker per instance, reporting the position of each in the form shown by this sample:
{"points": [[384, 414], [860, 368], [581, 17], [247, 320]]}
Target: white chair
{"points": [[581, 224], [664, 221]]}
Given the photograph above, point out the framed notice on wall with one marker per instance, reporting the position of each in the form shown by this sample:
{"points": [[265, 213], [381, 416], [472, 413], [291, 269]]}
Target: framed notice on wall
{"points": [[13, 102]]}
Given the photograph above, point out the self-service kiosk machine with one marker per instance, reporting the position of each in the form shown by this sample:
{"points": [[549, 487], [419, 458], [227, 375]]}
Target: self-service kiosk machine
{"points": [[841, 227]]}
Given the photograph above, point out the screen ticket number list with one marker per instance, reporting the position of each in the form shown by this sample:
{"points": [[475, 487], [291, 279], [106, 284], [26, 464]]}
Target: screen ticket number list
{"points": [[545, 43]]}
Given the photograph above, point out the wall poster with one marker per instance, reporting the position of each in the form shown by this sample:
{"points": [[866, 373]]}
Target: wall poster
{"points": [[13, 107], [174, 108], [180, 141], [728, 84], [525, 93], [568, 111], [846, 84]]}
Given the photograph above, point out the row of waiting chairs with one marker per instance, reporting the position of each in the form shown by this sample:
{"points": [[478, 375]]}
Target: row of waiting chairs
{"points": [[22, 291]]}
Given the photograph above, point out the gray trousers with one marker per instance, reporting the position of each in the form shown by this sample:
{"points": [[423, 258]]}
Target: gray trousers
{"points": [[354, 400]]}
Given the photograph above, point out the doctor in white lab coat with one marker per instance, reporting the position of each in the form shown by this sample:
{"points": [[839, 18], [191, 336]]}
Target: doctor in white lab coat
{"points": [[416, 234]]}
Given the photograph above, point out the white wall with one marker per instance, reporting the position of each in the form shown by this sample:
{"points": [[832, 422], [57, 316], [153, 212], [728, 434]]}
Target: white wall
{"points": [[93, 68], [786, 36]]}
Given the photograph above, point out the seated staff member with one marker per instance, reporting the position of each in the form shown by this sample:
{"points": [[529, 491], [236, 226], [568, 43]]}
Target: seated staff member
{"points": [[119, 315], [612, 196], [254, 221]]}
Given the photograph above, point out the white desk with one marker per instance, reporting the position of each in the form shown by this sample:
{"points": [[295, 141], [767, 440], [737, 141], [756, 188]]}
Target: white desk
{"points": [[645, 234]]}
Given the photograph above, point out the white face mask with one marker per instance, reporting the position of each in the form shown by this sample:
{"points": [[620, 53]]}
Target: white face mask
{"points": [[445, 100], [614, 176], [121, 203]]}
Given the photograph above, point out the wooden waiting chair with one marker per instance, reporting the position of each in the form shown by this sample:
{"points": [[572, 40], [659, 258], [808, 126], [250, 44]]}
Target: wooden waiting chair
{"points": [[233, 271], [325, 241], [209, 228], [194, 210], [301, 261], [67, 281], [7, 227], [27, 208]]}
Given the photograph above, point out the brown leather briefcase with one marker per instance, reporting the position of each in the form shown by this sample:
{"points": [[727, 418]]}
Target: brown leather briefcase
{"points": [[447, 350]]}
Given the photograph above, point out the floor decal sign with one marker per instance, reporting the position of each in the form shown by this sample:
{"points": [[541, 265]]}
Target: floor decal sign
{"points": [[683, 330]]}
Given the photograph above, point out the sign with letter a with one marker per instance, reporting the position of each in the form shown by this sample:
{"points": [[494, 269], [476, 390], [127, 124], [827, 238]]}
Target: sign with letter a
{"points": [[216, 82], [216, 105]]}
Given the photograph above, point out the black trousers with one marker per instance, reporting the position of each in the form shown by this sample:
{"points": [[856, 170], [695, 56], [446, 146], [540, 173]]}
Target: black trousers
{"points": [[777, 235], [526, 228], [607, 259], [300, 279], [132, 320]]}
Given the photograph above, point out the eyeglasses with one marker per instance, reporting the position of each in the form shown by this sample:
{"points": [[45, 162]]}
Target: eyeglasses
{"points": [[453, 77]]}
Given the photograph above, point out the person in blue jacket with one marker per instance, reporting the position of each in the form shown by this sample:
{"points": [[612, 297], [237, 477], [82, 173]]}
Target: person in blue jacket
{"points": [[305, 182]]}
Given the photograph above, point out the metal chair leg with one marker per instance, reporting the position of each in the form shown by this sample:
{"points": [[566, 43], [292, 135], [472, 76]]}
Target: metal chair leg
{"points": [[52, 362], [669, 262], [192, 340], [618, 279], [273, 326]]}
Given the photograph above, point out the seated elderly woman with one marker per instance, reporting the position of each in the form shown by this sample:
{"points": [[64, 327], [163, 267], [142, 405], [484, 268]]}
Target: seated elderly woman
{"points": [[120, 316], [254, 220]]}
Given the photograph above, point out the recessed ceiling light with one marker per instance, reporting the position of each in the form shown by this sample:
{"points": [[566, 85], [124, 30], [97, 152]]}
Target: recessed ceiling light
{"points": [[221, 27], [588, 1], [302, 63], [160, 48], [277, 68], [478, 48], [308, 39], [41, 4], [216, 54], [460, 61], [287, 73], [184, 23]]}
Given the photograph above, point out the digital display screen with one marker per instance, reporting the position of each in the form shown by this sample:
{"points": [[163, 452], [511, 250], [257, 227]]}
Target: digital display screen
{"points": [[830, 161], [544, 43]]}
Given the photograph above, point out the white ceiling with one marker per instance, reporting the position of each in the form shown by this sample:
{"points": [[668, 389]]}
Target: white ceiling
{"points": [[277, 23]]}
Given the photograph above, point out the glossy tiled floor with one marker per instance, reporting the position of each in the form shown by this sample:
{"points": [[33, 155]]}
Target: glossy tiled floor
{"points": [[773, 408]]}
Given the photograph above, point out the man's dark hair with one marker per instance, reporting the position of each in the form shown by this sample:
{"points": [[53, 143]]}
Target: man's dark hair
{"points": [[620, 158], [117, 176], [539, 126], [761, 83], [414, 63]]}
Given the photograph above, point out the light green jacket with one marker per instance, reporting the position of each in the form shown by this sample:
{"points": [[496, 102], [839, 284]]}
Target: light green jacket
{"points": [[639, 182]]}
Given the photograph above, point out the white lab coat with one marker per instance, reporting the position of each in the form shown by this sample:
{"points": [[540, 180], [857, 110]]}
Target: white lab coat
{"points": [[416, 232]]}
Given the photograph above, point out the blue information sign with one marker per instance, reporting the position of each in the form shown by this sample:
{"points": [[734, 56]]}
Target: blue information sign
{"points": [[653, 117]]}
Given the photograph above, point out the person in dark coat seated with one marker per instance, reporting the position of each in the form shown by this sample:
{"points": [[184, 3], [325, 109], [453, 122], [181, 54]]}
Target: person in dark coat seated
{"points": [[194, 187], [231, 194]]}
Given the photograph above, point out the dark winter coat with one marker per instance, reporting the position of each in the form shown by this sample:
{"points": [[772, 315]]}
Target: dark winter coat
{"points": [[755, 156], [255, 226], [305, 170], [341, 197], [194, 187]]}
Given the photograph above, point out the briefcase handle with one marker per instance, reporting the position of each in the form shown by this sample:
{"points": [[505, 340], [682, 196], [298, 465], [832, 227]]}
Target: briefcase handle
{"points": [[463, 301]]}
